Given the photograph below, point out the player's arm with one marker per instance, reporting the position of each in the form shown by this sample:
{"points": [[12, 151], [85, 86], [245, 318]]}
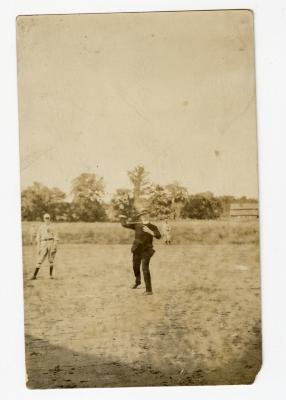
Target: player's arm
{"points": [[153, 232], [156, 231], [124, 223]]}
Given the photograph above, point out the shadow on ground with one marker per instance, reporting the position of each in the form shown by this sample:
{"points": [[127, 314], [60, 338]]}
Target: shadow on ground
{"points": [[50, 366]]}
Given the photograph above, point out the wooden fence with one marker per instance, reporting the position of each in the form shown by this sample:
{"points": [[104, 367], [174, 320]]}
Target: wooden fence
{"points": [[244, 210]]}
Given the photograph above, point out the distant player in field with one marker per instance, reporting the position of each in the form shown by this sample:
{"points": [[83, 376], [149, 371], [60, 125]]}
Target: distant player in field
{"points": [[47, 241], [166, 231], [142, 247]]}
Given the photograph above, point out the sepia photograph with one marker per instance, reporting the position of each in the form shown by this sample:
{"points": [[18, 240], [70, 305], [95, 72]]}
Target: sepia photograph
{"points": [[139, 199]]}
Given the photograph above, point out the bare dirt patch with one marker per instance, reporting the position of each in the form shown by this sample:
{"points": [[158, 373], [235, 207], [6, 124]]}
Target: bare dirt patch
{"points": [[87, 328]]}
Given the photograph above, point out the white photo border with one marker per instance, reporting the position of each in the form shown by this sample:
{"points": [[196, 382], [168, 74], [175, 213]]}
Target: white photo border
{"points": [[270, 36]]}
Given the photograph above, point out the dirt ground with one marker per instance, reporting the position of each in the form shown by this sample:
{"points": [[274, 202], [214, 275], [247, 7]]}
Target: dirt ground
{"points": [[87, 328]]}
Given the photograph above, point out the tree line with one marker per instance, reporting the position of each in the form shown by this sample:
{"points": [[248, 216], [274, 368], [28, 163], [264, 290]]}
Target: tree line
{"points": [[87, 204]]}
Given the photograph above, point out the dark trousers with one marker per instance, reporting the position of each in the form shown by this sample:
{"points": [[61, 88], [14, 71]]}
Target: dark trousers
{"points": [[139, 257]]}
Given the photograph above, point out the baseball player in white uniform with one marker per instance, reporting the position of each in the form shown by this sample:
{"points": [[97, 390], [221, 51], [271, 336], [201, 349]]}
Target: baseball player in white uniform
{"points": [[47, 241], [166, 230]]}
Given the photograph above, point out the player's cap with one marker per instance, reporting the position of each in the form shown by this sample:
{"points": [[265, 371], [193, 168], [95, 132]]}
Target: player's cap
{"points": [[144, 211], [47, 216]]}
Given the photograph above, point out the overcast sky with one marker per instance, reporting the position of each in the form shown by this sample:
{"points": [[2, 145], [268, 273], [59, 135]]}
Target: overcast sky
{"points": [[174, 92]]}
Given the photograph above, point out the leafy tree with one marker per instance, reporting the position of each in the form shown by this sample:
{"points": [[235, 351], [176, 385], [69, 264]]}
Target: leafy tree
{"points": [[61, 211], [160, 203], [216, 208], [88, 191], [178, 195], [201, 207], [122, 202], [245, 199], [207, 195], [141, 187], [87, 186], [39, 199]]}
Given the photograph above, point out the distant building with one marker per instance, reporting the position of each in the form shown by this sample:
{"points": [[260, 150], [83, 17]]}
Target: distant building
{"points": [[244, 210]]}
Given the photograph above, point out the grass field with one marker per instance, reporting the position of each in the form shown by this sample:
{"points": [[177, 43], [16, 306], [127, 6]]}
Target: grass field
{"points": [[183, 232], [87, 328]]}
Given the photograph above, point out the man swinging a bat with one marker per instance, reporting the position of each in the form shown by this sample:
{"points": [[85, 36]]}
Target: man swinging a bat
{"points": [[142, 247]]}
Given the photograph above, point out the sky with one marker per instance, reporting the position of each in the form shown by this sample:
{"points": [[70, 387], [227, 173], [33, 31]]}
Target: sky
{"points": [[172, 91]]}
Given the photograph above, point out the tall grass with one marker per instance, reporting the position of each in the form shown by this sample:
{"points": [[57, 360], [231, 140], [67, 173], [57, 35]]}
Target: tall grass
{"points": [[183, 232]]}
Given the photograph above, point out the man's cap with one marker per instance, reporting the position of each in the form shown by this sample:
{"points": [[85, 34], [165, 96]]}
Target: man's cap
{"points": [[142, 212], [46, 216]]}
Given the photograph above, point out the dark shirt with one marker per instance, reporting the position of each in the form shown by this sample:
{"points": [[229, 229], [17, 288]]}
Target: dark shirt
{"points": [[142, 241]]}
